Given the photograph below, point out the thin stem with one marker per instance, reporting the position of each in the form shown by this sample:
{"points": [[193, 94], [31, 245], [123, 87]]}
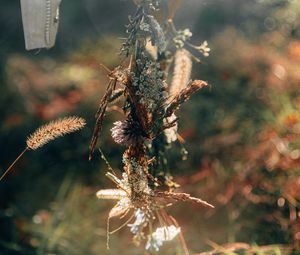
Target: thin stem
{"points": [[122, 226], [106, 162], [13, 163], [181, 237], [105, 68], [107, 233]]}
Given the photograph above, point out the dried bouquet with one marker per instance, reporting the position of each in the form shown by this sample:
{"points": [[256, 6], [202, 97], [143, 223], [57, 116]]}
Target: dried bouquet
{"points": [[151, 95]]}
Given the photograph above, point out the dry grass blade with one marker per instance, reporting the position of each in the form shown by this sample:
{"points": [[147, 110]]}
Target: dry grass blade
{"points": [[185, 198], [184, 95], [100, 115], [53, 130]]}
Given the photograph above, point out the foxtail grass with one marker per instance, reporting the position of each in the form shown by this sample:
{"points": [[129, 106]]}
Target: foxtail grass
{"points": [[47, 133]]}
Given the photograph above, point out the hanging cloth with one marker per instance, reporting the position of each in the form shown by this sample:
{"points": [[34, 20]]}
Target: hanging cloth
{"points": [[40, 22]]}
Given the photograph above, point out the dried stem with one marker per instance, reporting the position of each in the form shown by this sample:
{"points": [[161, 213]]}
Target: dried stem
{"points": [[13, 163], [100, 116], [181, 237]]}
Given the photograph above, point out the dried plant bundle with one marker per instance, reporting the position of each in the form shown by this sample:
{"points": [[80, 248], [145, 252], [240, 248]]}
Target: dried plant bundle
{"points": [[182, 72], [150, 124], [53, 130]]}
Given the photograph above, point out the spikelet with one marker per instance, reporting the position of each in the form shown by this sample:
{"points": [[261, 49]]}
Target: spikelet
{"points": [[53, 130], [111, 194], [182, 72]]}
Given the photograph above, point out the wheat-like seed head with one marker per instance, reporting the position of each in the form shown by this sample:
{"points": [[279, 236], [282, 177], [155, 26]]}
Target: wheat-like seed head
{"points": [[53, 130], [182, 72]]}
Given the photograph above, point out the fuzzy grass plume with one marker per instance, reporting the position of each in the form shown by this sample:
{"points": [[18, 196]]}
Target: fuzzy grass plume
{"points": [[182, 72], [53, 130], [47, 133]]}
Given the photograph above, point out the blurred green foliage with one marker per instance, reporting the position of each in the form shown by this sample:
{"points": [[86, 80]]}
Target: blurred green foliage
{"points": [[242, 133]]}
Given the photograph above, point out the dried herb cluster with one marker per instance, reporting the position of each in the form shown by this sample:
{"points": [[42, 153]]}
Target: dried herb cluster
{"points": [[149, 123]]}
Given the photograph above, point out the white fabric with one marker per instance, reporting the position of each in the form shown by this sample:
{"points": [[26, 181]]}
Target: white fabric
{"points": [[40, 22]]}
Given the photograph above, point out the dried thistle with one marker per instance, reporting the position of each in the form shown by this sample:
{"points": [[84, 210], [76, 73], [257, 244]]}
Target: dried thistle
{"points": [[182, 72], [47, 133], [53, 130], [127, 132]]}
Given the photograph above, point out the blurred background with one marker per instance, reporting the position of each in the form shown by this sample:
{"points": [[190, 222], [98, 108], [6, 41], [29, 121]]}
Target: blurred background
{"points": [[242, 133]]}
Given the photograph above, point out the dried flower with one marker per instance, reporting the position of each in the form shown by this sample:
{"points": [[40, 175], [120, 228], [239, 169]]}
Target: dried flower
{"points": [[202, 48], [160, 236], [140, 219], [53, 130], [126, 132], [122, 194], [171, 133], [181, 37]]}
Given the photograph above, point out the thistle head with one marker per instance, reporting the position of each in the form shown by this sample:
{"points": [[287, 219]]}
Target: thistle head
{"points": [[127, 132]]}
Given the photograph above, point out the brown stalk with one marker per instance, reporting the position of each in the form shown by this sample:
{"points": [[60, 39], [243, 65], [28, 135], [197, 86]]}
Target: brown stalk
{"points": [[100, 115]]}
